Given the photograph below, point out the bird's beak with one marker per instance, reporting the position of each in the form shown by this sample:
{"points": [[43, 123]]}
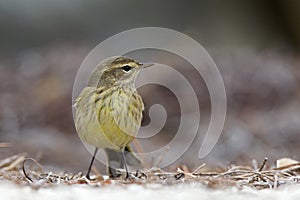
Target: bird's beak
{"points": [[146, 65]]}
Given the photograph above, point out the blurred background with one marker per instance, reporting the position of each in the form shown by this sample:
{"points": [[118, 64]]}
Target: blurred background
{"points": [[255, 44]]}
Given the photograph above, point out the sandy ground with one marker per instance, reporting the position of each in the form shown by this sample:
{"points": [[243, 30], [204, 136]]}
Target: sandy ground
{"points": [[151, 191]]}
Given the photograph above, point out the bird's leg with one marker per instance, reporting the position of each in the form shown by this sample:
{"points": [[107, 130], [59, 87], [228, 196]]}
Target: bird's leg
{"points": [[125, 164], [115, 161], [92, 161]]}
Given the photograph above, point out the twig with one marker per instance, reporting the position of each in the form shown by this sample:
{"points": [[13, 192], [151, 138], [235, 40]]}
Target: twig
{"points": [[24, 171], [5, 144], [197, 171], [263, 164], [11, 162]]}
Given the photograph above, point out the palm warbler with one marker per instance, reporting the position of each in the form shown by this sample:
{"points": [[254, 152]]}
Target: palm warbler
{"points": [[108, 112]]}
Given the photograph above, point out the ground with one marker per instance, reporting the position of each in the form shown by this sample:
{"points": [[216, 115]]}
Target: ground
{"points": [[24, 178], [151, 191]]}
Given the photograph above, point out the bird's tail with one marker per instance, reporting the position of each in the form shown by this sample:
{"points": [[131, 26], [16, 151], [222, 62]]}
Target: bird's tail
{"points": [[115, 160]]}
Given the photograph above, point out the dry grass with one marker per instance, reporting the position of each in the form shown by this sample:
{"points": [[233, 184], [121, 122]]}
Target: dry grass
{"points": [[5, 144], [27, 171]]}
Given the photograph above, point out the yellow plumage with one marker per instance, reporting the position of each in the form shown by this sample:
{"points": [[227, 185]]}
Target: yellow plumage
{"points": [[108, 112], [108, 117]]}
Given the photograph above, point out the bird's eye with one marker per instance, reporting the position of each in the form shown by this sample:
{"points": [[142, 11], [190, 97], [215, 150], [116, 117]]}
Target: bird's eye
{"points": [[126, 68]]}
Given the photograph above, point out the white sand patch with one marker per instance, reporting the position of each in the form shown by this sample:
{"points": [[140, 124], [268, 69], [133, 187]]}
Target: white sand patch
{"points": [[138, 192]]}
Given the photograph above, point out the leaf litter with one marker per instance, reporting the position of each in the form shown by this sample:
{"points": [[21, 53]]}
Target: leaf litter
{"points": [[21, 170]]}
